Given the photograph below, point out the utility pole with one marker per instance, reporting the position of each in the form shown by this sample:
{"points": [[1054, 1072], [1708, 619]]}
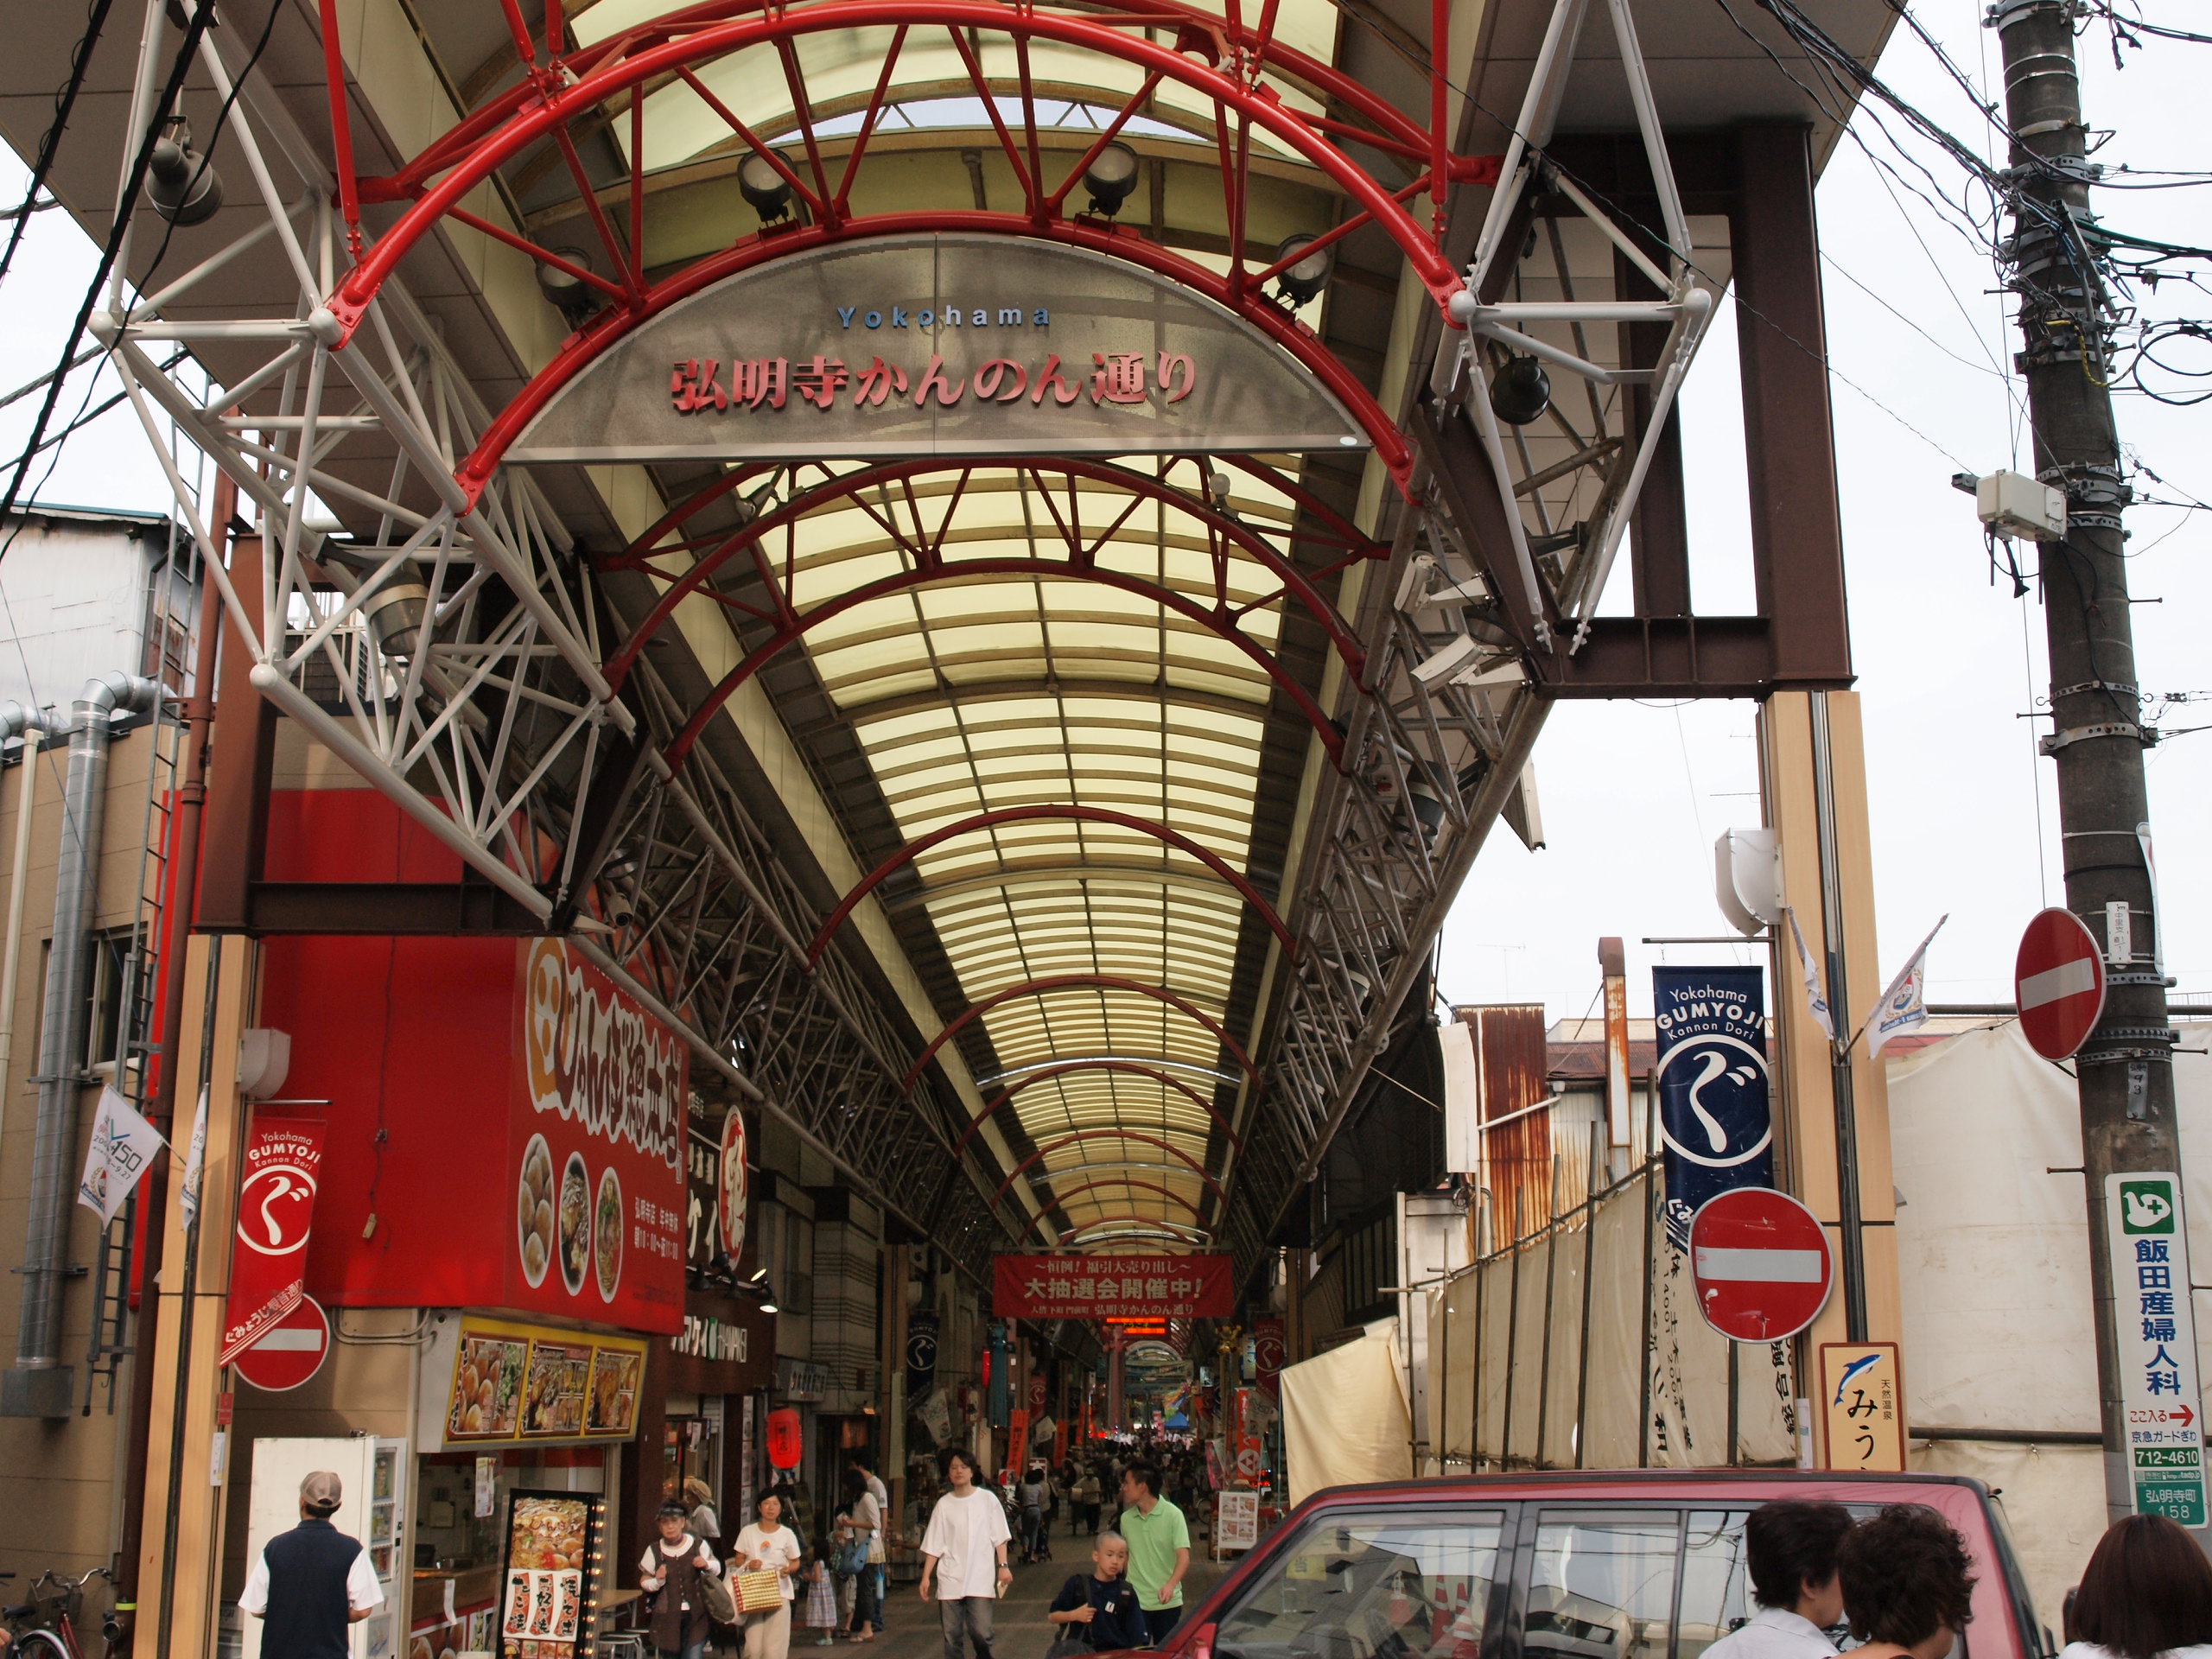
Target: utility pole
{"points": [[2125, 1069]]}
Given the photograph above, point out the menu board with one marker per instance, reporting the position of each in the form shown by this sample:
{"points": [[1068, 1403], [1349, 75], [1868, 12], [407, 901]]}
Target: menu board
{"points": [[550, 1591], [518, 1383]]}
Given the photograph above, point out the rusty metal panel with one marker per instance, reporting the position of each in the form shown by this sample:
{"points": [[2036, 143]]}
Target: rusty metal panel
{"points": [[1514, 1062]]}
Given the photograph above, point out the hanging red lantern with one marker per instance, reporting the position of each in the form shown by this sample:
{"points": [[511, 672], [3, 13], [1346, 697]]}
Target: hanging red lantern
{"points": [[784, 1443]]}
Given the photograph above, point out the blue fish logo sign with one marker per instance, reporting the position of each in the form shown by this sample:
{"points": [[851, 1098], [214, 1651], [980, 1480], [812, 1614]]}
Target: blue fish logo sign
{"points": [[1716, 1128]]}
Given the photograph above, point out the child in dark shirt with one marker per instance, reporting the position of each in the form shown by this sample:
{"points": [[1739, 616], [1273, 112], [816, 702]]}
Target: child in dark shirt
{"points": [[1099, 1608]]}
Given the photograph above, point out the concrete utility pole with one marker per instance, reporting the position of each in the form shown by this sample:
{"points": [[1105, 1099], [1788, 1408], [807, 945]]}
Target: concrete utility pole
{"points": [[2125, 1069]]}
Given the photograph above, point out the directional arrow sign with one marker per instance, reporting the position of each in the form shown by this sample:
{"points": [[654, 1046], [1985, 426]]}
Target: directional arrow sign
{"points": [[2059, 981], [1761, 1262]]}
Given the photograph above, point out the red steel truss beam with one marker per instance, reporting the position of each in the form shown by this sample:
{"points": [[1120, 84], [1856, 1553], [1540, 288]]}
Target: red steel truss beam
{"points": [[1178, 1230], [913, 850], [1136, 1068], [1131, 1182], [1051, 982], [859, 485], [1083, 1135]]}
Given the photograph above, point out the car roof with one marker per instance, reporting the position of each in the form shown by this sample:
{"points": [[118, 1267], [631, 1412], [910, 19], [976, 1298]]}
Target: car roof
{"points": [[1624, 1482]]}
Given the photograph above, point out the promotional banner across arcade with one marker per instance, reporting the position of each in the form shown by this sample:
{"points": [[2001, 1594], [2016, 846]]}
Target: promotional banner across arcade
{"points": [[1111, 1287], [1715, 1124], [598, 1149]]}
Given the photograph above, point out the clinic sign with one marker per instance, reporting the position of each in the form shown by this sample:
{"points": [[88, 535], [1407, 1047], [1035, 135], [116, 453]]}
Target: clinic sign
{"points": [[2157, 1339], [938, 343]]}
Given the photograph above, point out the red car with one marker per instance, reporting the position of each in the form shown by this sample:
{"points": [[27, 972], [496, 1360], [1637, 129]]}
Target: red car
{"points": [[1633, 1565]]}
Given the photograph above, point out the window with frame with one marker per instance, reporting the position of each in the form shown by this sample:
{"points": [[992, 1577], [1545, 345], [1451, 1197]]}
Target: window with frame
{"points": [[1372, 1586]]}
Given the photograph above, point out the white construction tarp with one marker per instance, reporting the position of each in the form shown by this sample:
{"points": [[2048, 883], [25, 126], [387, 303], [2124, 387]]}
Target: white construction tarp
{"points": [[1344, 1418], [1993, 1267]]}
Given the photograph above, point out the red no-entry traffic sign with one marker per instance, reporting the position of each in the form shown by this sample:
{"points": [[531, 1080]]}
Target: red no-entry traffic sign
{"points": [[290, 1351], [1761, 1262], [2058, 980]]}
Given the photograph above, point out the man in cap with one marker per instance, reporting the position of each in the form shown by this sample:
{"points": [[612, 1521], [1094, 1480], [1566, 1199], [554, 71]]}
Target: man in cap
{"points": [[308, 1585]]}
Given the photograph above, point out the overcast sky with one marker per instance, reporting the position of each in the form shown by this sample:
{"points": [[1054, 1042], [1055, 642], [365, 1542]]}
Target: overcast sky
{"points": [[1634, 794]]}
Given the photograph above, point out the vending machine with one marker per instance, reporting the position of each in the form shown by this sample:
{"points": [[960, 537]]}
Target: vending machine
{"points": [[374, 1473]]}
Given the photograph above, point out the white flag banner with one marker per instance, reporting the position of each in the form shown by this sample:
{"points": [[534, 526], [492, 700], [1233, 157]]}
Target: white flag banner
{"points": [[124, 1144], [1813, 1001], [1904, 1006], [195, 1157]]}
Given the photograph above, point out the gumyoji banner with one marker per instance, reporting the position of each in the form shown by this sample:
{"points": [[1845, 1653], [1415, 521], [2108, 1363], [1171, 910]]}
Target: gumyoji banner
{"points": [[1111, 1287], [1715, 1124], [283, 1166]]}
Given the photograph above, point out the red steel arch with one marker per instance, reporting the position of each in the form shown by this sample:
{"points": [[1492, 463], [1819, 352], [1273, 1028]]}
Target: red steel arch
{"points": [[855, 486], [1223, 60], [1175, 1230], [1136, 1067], [937, 569], [913, 850], [1131, 1182], [1081, 1136], [1050, 982]]}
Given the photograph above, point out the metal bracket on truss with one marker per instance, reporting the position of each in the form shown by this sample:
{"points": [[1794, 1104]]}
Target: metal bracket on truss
{"points": [[1462, 378]]}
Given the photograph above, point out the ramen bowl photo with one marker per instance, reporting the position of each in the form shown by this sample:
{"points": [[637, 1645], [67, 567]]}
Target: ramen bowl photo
{"points": [[572, 1217], [607, 1234]]}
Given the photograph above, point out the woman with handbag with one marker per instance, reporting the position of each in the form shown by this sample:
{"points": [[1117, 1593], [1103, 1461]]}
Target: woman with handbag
{"points": [[769, 1556], [861, 1520], [673, 1569]]}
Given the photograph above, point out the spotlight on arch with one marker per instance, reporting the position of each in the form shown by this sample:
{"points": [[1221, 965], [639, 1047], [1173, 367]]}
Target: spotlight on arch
{"points": [[569, 294], [1521, 391], [1111, 178], [767, 190], [1303, 283], [185, 188]]}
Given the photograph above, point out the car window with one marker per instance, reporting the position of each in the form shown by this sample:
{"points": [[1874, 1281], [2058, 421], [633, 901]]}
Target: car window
{"points": [[1601, 1585], [1716, 1588], [1372, 1586]]}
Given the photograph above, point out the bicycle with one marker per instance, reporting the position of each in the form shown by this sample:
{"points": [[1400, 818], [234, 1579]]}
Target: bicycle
{"points": [[45, 1626]]}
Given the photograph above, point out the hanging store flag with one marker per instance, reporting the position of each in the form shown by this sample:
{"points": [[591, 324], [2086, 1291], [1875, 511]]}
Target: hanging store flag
{"points": [[284, 1162], [1714, 1121], [124, 1144], [921, 1354], [1904, 1006], [1111, 1287], [195, 1159], [1814, 1001], [1267, 1356]]}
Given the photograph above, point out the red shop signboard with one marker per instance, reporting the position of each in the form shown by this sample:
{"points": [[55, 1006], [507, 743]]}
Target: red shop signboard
{"points": [[511, 1121]]}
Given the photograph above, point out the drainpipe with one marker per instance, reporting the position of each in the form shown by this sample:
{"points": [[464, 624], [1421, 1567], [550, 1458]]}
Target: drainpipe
{"points": [[30, 724], [39, 1384]]}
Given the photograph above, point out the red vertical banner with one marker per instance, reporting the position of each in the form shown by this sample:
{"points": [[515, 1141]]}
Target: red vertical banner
{"points": [[1017, 1442], [283, 1166], [1266, 1355]]}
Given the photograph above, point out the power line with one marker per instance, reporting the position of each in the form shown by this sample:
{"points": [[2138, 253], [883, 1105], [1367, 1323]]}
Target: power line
{"points": [[49, 142]]}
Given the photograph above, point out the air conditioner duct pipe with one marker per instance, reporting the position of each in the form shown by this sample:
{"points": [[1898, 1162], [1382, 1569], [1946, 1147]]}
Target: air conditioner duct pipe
{"points": [[30, 724], [39, 1385]]}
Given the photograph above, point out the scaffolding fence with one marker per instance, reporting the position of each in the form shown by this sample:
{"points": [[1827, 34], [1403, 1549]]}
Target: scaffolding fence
{"points": [[1581, 1346]]}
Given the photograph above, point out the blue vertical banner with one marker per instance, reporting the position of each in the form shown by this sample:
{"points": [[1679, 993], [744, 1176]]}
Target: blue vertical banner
{"points": [[1715, 1124]]}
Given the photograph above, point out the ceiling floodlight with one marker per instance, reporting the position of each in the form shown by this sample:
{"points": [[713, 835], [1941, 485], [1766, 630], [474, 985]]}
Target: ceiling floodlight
{"points": [[1110, 178], [762, 185], [1301, 283], [1521, 392], [185, 188], [569, 292]]}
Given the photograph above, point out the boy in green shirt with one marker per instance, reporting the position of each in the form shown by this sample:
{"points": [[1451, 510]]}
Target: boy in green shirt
{"points": [[1159, 1548]]}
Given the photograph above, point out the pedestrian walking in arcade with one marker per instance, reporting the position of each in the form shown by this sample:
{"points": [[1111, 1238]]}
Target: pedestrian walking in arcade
{"points": [[770, 1545], [878, 1556], [1099, 1609], [1789, 1547], [2146, 1592], [308, 1585], [861, 1522], [670, 1569], [963, 1558], [1906, 1589], [1159, 1548]]}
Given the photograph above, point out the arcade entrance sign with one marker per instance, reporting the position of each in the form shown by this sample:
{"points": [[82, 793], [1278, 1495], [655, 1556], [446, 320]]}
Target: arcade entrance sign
{"points": [[938, 343]]}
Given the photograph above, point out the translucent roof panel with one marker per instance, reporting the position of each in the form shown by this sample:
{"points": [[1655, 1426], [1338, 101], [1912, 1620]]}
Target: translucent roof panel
{"points": [[1063, 733]]}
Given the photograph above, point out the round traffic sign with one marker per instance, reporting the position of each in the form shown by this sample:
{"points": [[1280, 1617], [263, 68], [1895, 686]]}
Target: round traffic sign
{"points": [[1761, 1262], [290, 1351], [2058, 983]]}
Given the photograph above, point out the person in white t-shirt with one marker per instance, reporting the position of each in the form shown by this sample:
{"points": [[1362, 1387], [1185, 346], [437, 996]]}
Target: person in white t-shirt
{"points": [[964, 1557], [1790, 1545], [768, 1546], [878, 1555]]}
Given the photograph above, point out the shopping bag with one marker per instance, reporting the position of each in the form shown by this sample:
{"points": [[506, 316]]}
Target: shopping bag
{"points": [[760, 1593], [714, 1591]]}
